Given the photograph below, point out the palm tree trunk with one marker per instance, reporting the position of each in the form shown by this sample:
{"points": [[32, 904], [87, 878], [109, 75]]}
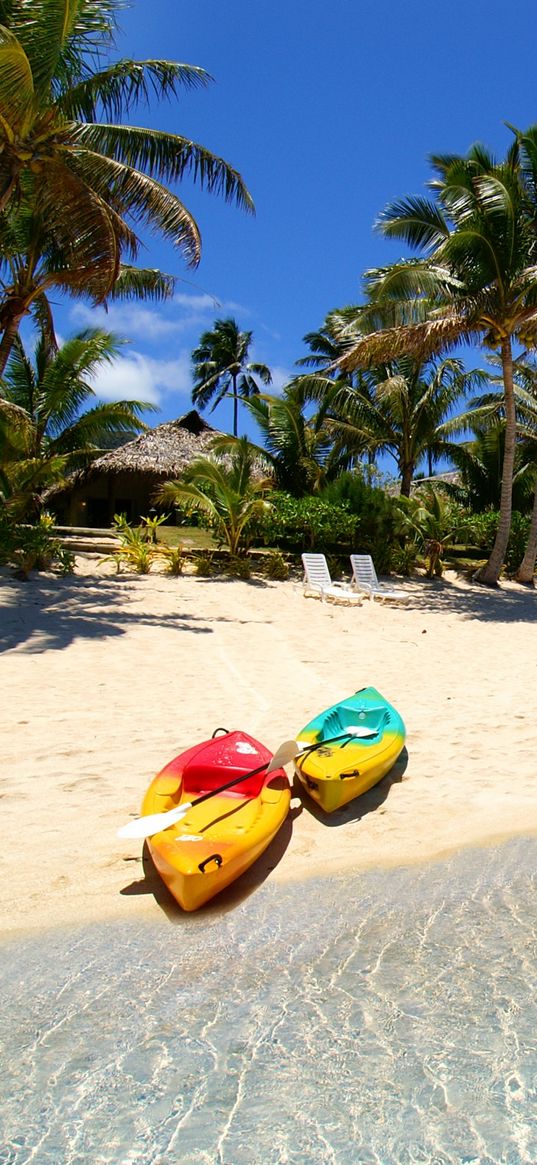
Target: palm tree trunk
{"points": [[6, 343], [235, 407], [490, 572], [526, 569], [6, 194], [406, 480]]}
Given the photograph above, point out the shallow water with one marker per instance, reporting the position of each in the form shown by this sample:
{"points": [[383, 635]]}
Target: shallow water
{"points": [[387, 1019]]}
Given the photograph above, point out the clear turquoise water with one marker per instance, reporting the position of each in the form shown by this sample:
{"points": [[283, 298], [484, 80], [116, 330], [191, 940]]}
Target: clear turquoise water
{"points": [[387, 1019]]}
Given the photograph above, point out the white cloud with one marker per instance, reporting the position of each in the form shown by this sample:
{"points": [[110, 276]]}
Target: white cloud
{"points": [[280, 377], [137, 377], [143, 323]]}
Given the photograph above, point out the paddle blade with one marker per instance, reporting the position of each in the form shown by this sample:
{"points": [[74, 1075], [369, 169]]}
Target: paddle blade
{"points": [[361, 730], [284, 755], [153, 822]]}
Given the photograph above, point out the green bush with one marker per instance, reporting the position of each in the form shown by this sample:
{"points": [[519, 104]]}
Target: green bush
{"points": [[277, 568], [308, 523], [380, 526], [239, 567], [174, 558], [33, 547], [204, 565], [482, 532], [404, 558]]}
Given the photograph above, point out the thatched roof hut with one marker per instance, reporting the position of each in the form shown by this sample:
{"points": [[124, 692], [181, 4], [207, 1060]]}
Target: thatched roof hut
{"points": [[124, 480]]}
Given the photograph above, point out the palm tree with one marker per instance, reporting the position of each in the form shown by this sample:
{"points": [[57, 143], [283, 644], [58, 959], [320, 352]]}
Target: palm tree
{"points": [[328, 347], [225, 489], [300, 448], [402, 408], [48, 427], [94, 182], [476, 278], [33, 263], [487, 418], [221, 367]]}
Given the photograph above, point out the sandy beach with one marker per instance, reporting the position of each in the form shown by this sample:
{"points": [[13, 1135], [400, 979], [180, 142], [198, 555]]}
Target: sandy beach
{"points": [[106, 678]]}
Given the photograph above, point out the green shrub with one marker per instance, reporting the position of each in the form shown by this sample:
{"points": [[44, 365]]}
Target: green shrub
{"points": [[239, 567], [135, 551], [308, 523], [520, 524], [482, 532], [204, 565], [404, 558], [380, 526], [33, 547], [174, 559], [277, 568]]}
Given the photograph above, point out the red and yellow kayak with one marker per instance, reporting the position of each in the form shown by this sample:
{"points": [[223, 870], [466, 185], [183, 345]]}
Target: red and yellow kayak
{"points": [[221, 838]]}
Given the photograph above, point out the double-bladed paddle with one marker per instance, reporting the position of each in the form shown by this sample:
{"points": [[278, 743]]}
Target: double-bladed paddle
{"points": [[155, 822]]}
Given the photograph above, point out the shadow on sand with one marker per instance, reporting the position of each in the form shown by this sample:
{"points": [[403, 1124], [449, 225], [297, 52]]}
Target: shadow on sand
{"points": [[46, 613], [229, 898], [511, 603], [355, 810]]}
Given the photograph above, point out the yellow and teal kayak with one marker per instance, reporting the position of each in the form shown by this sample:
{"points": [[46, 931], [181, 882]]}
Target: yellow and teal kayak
{"points": [[349, 748]]}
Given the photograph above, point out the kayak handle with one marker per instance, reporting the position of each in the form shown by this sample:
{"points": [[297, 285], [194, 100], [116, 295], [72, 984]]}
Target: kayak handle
{"points": [[213, 858]]}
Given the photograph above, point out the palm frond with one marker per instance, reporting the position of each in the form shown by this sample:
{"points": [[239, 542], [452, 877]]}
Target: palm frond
{"points": [[167, 157], [124, 84], [418, 221], [143, 283], [144, 199]]}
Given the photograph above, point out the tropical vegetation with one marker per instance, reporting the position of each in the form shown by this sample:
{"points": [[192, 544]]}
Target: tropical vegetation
{"points": [[52, 420], [79, 186], [221, 367], [474, 278], [226, 489]]}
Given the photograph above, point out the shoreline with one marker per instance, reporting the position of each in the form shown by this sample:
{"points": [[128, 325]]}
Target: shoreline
{"points": [[108, 677]]}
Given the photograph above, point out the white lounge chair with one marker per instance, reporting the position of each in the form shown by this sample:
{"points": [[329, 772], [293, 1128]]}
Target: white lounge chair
{"points": [[365, 580], [317, 582]]}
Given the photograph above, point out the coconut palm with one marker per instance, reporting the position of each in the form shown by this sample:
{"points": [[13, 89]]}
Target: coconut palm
{"points": [[94, 182], [33, 263], [50, 424], [475, 279], [221, 367], [225, 489], [299, 447], [487, 418], [402, 408]]}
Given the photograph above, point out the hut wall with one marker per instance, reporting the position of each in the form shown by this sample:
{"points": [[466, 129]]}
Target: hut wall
{"points": [[95, 503]]}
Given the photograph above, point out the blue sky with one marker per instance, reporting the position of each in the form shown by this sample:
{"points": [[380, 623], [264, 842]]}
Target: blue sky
{"points": [[329, 111]]}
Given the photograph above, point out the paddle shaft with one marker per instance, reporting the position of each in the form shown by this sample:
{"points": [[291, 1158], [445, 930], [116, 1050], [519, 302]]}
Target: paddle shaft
{"points": [[255, 772], [330, 740], [230, 784]]}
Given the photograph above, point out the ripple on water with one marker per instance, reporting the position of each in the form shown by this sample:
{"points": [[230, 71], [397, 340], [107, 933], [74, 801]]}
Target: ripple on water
{"points": [[385, 1019]]}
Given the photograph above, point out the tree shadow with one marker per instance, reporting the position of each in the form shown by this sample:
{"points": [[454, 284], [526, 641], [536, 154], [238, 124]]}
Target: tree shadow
{"points": [[506, 603], [47, 613], [359, 808]]}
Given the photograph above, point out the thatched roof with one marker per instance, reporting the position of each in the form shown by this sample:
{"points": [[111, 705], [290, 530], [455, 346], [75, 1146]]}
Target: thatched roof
{"points": [[161, 452]]}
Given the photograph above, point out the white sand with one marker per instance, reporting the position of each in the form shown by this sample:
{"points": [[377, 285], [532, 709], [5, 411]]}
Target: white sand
{"points": [[106, 678]]}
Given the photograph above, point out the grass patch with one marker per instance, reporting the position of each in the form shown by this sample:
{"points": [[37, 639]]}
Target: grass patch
{"points": [[191, 537]]}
